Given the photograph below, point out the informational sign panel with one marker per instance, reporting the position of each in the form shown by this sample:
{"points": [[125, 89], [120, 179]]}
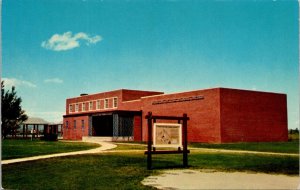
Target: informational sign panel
{"points": [[167, 135]]}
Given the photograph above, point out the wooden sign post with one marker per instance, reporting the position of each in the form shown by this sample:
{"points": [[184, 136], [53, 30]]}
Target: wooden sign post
{"points": [[169, 136]]}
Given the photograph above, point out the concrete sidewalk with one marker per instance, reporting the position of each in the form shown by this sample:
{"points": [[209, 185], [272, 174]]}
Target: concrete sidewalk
{"points": [[197, 179], [104, 146]]}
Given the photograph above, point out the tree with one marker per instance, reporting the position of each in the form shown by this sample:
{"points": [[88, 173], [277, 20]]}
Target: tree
{"points": [[12, 113], [294, 131]]}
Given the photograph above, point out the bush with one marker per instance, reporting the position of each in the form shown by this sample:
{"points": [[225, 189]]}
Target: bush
{"points": [[49, 137]]}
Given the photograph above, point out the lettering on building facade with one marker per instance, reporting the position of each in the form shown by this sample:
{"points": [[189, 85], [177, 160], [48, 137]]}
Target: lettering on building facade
{"points": [[175, 100]]}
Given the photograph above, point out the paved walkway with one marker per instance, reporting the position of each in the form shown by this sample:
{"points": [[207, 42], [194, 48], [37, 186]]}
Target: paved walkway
{"points": [[197, 179], [104, 146]]}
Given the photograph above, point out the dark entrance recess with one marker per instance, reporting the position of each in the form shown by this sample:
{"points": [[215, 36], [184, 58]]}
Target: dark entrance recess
{"points": [[123, 127], [102, 126], [118, 124]]}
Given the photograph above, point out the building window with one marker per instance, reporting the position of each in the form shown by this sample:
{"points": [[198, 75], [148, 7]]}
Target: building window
{"points": [[83, 106], [67, 124], [74, 124], [115, 102], [91, 106], [106, 103], [70, 108], [82, 125], [98, 105], [76, 107]]}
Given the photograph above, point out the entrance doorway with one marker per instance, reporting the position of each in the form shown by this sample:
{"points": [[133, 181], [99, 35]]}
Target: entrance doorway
{"points": [[102, 126], [118, 125]]}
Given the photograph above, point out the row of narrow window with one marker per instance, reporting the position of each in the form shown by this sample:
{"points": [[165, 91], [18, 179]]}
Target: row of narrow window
{"points": [[75, 124], [90, 105]]}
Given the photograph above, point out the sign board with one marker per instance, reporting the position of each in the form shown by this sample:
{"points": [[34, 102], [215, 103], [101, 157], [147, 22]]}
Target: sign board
{"points": [[167, 135]]}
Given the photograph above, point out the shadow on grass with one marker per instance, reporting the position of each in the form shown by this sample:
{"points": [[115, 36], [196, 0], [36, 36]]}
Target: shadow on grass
{"points": [[167, 162], [167, 166]]}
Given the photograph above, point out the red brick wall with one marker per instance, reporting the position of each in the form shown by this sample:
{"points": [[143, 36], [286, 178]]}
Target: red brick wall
{"points": [[137, 130], [224, 115], [128, 95], [253, 116], [204, 123], [72, 133], [93, 98], [135, 105], [122, 95]]}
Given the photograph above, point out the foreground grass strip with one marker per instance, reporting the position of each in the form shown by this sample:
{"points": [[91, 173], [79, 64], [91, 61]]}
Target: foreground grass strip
{"points": [[25, 148], [245, 162], [278, 147], [232, 162], [78, 172], [125, 171], [130, 146]]}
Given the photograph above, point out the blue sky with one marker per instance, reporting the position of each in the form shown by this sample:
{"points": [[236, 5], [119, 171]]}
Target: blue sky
{"points": [[55, 49]]}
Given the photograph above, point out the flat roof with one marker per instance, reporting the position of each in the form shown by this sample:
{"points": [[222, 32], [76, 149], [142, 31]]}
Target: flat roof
{"points": [[36, 121], [173, 93], [119, 90]]}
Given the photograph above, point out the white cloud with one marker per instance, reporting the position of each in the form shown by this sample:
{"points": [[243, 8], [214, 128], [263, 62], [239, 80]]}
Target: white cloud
{"points": [[9, 82], [54, 80], [69, 41], [297, 122]]}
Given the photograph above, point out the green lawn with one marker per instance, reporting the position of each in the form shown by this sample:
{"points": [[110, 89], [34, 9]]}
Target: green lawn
{"points": [[281, 147], [294, 137], [111, 171], [130, 146], [278, 147], [235, 162], [25, 148], [126, 171]]}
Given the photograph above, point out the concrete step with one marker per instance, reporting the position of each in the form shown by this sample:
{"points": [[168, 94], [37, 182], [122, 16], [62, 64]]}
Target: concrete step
{"points": [[96, 139], [105, 139]]}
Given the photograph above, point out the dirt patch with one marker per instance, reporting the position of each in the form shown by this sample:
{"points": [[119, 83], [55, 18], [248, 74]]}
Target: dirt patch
{"points": [[208, 179]]}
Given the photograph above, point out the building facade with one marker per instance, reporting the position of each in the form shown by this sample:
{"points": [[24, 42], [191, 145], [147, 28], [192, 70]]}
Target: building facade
{"points": [[217, 115]]}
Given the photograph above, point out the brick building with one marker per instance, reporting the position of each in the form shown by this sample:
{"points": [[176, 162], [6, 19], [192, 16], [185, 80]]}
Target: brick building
{"points": [[217, 115]]}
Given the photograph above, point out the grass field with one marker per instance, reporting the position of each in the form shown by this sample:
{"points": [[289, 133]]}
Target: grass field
{"points": [[25, 148], [130, 146], [278, 147], [294, 137], [281, 147], [78, 172], [125, 171]]}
